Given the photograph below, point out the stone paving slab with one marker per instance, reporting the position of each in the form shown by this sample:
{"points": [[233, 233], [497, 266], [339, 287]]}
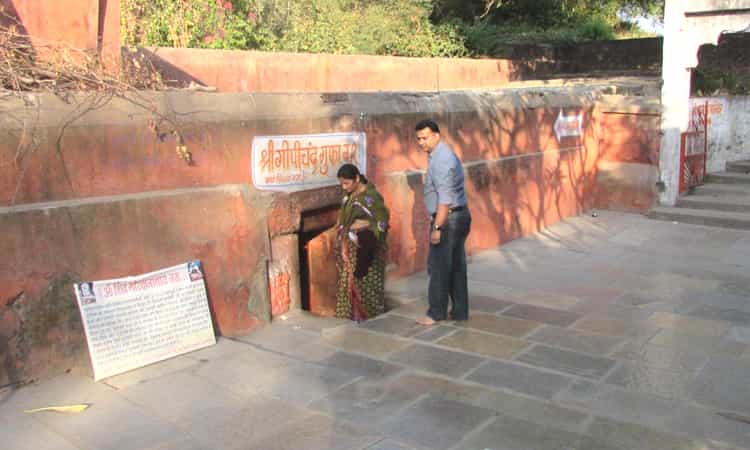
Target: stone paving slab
{"points": [[543, 299], [723, 384], [434, 333], [390, 444], [600, 324], [112, 423], [394, 324], [590, 295], [437, 360], [706, 344], [688, 325], [180, 396], [278, 338], [515, 377], [733, 316], [150, 372], [666, 415], [303, 383], [578, 340], [224, 347], [508, 326], [623, 312], [487, 304], [362, 341], [360, 365], [661, 357], [24, 432], [436, 423], [538, 411], [736, 301], [739, 334], [637, 437], [666, 383], [508, 433], [540, 314], [367, 401], [574, 363], [485, 344], [316, 432], [233, 425], [655, 314]]}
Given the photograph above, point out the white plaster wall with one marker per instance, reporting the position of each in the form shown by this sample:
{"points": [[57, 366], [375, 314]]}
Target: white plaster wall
{"points": [[683, 36], [728, 131]]}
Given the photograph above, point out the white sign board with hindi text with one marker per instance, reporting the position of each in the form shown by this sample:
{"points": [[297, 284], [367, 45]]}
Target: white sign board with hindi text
{"points": [[299, 162], [568, 126], [134, 321]]}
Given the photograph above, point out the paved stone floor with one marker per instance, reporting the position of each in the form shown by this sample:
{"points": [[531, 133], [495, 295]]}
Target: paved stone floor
{"points": [[613, 332]]}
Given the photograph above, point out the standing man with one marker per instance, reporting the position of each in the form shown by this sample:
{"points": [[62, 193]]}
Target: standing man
{"points": [[445, 200]]}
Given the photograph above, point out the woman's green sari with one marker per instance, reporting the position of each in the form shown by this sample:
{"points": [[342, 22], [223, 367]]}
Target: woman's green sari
{"points": [[361, 256]]}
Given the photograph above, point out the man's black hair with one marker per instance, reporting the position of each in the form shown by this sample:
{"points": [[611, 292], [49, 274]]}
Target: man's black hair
{"points": [[427, 123]]}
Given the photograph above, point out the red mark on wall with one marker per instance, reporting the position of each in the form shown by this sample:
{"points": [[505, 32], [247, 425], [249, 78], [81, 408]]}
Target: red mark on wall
{"points": [[280, 300], [697, 111]]}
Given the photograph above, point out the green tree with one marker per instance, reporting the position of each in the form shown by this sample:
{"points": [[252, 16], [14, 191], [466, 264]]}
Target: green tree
{"points": [[395, 27], [544, 13]]}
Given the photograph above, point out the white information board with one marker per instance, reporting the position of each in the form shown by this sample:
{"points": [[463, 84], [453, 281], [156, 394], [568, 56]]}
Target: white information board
{"points": [[299, 162], [135, 321], [567, 126]]}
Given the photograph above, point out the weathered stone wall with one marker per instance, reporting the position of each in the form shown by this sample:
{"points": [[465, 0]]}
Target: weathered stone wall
{"points": [[620, 57], [253, 71], [728, 129], [724, 67], [92, 25], [629, 153], [109, 197]]}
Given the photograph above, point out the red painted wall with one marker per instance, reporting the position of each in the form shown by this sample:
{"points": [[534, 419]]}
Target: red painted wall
{"points": [[123, 203], [250, 71], [629, 140], [82, 24]]}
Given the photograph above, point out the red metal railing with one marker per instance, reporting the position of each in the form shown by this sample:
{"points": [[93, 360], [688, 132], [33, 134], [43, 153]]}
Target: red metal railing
{"points": [[694, 149]]}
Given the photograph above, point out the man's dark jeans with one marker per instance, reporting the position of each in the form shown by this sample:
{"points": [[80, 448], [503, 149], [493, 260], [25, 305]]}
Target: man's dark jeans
{"points": [[446, 266]]}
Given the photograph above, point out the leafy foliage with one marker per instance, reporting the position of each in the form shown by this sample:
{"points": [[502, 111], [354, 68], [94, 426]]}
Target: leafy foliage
{"points": [[395, 27], [709, 81], [380, 27]]}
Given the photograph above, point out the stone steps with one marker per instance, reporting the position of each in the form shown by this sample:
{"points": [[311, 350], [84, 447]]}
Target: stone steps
{"points": [[716, 203], [738, 166], [712, 218], [724, 201], [722, 190], [728, 178]]}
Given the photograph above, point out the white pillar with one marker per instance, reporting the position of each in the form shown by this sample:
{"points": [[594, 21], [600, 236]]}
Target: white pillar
{"points": [[675, 98], [683, 35]]}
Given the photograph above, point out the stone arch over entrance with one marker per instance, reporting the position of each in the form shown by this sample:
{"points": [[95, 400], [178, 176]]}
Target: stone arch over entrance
{"points": [[294, 219], [687, 26]]}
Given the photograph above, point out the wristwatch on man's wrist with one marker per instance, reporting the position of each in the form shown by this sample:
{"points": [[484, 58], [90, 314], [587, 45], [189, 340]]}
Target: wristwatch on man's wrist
{"points": [[435, 227]]}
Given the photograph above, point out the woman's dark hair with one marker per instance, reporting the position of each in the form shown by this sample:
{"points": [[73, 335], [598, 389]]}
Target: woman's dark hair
{"points": [[427, 123], [350, 172]]}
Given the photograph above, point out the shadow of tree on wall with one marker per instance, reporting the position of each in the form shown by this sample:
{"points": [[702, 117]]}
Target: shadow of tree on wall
{"points": [[520, 180], [514, 188], [9, 17]]}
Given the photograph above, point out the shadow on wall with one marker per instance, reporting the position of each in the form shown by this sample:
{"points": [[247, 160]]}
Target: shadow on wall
{"points": [[628, 168], [640, 57], [171, 75], [9, 17], [519, 179]]}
